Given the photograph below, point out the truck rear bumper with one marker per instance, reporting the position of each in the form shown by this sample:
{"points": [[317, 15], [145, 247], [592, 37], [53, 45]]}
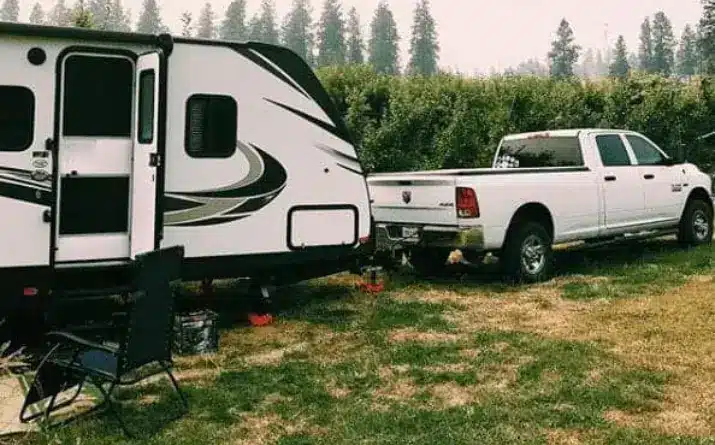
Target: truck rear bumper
{"points": [[396, 236]]}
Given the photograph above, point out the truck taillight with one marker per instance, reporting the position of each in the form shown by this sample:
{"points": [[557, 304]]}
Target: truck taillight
{"points": [[467, 205]]}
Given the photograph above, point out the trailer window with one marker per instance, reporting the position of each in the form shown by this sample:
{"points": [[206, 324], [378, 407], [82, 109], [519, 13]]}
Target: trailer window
{"points": [[557, 151], [146, 107], [17, 118], [211, 124], [612, 150], [98, 94]]}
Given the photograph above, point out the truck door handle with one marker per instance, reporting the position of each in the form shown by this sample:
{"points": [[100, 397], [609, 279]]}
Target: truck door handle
{"points": [[610, 178], [649, 176]]}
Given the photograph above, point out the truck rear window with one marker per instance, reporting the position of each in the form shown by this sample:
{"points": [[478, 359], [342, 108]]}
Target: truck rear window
{"points": [[559, 151]]}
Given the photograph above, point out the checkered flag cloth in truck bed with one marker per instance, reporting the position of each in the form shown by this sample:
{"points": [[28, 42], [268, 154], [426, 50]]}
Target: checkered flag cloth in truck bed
{"points": [[506, 161]]}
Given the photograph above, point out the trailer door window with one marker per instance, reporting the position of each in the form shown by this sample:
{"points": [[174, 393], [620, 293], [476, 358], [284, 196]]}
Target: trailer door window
{"points": [[98, 95], [146, 107], [17, 118], [211, 123]]}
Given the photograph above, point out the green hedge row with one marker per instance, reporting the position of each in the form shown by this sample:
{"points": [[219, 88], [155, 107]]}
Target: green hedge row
{"points": [[448, 121]]}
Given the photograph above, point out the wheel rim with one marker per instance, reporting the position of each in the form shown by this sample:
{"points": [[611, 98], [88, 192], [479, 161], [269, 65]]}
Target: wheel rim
{"points": [[700, 225], [533, 254]]}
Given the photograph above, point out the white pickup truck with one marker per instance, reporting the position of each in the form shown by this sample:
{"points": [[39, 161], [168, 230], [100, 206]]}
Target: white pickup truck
{"points": [[543, 189]]}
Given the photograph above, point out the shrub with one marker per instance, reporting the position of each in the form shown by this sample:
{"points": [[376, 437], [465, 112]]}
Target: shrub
{"points": [[448, 121]]}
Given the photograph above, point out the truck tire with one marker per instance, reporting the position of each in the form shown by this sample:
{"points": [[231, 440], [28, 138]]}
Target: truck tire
{"points": [[696, 224], [527, 256], [428, 262]]}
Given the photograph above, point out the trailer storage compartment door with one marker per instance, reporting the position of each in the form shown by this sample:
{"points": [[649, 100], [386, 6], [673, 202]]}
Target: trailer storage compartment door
{"points": [[322, 226]]}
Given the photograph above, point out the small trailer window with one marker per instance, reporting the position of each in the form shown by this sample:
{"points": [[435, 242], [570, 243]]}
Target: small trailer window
{"points": [[17, 118], [211, 124], [146, 107]]}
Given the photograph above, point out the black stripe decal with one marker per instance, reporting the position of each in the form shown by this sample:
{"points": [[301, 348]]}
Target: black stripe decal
{"points": [[338, 153], [297, 68], [211, 221], [172, 204], [324, 125], [350, 169], [245, 52], [273, 179], [253, 205], [25, 194]]}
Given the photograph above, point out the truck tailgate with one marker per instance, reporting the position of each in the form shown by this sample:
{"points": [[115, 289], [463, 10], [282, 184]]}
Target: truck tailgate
{"points": [[413, 199]]}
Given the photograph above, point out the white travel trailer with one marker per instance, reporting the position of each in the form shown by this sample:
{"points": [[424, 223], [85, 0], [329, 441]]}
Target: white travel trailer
{"points": [[113, 144]]}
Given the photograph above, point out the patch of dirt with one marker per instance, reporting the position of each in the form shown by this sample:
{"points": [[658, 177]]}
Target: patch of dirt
{"points": [[406, 335], [450, 395], [457, 368], [336, 390], [275, 356], [395, 387], [268, 428], [563, 437]]}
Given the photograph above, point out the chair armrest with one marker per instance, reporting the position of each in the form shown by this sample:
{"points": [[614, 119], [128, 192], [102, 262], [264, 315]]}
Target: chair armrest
{"points": [[80, 341]]}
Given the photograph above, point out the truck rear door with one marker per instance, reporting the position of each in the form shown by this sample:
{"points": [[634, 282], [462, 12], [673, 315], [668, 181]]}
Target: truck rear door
{"points": [[416, 200]]}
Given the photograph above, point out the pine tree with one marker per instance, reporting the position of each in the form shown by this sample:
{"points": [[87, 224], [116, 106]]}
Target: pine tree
{"points": [[233, 26], [706, 41], [633, 61], [645, 50], [331, 35], [37, 16], [564, 52], [186, 24], [206, 29], [663, 45], [297, 30], [10, 11], [619, 67], [383, 46], [120, 18], [424, 48], [150, 19], [81, 16], [60, 15], [355, 46], [100, 11], [687, 56], [263, 25]]}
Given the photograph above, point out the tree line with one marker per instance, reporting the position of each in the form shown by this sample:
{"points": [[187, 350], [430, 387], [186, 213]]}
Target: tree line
{"points": [[658, 52], [336, 38]]}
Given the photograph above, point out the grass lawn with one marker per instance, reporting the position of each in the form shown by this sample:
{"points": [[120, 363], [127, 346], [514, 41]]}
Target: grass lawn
{"points": [[619, 348]]}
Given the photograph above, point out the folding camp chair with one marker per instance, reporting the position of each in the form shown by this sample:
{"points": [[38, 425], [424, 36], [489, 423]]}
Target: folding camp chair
{"points": [[146, 339]]}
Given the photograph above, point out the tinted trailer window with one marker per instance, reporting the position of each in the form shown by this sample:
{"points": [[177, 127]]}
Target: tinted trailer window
{"points": [[541, 151]]}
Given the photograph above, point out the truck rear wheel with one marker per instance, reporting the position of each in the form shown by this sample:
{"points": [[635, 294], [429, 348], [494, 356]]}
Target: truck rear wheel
{"points": [[696, 224], [527, 255]]}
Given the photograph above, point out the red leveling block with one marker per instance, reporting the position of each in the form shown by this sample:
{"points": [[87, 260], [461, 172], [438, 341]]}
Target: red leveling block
{"points": [[371, 283]]}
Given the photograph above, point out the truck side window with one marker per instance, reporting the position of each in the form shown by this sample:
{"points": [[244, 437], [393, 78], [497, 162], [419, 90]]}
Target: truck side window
{"points": [[211, 125], [612, 150], [645, 152], [17, 118]]}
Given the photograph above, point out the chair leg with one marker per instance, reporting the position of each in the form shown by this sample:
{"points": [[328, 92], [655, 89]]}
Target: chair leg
{"points": [[178, 390], [107, 394]]}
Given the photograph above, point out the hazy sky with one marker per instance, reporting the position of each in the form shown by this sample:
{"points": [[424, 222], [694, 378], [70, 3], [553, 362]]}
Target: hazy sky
{"points": [[479, 34]]}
